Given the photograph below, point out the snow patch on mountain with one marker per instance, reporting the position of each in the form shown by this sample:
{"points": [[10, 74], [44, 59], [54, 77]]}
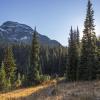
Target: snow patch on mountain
{"points": [[24, 38], [2, 29], [14, 31]]}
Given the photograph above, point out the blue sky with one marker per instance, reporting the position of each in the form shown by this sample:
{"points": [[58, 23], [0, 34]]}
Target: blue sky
{"points": [[53, 18]]}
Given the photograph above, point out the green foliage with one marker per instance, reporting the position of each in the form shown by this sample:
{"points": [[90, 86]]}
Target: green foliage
{"points": [[23, 80], [8, 85], [98, 52], [88, 64], [2, 77], [44, 78], [9, 64], [53, 60], [98, 55], [73, 55], [35, 67], [21, 54], [18, 82]]}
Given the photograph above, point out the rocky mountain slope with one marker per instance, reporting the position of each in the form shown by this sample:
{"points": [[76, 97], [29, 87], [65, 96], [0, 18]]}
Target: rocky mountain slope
{"points": [[20, 33]]}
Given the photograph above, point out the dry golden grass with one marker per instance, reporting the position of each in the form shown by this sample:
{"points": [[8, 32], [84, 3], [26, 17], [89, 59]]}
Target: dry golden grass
{"points": [[20, 93], [64, 91]]}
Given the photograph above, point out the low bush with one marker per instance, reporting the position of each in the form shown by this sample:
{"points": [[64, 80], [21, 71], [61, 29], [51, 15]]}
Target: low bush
{"points": [[44, 78]]}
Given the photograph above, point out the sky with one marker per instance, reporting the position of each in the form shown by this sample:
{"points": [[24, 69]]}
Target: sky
{"points": [[52, 18]]}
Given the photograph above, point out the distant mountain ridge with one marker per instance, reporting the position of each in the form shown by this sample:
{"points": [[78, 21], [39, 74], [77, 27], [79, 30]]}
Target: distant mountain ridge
{"points": [[21, 33]]}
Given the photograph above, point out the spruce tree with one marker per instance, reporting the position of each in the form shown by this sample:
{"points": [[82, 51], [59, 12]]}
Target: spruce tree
{"points": [[24, 80], [59, 58], [98, 55], [87, 70], [18, 82], [8, 84], [78, 37], [35, 68], [9, 64], [2, 77], [99, 52], [73, 56]]}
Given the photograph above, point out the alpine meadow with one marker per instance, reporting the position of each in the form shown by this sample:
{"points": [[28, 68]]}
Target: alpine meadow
{"points": [[36, 67]]}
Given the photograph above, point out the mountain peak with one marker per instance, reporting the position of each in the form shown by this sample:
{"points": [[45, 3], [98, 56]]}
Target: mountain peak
{"points": [[17, 32]]}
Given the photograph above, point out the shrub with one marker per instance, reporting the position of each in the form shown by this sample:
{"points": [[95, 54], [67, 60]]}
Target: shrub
{"points": [[44, 78], [8, 85], [18, 82]]}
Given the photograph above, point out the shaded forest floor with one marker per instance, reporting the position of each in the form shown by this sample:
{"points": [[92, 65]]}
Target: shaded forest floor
{"points": [[61, 91]]}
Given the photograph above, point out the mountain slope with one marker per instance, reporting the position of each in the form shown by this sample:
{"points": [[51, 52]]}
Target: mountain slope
{"points": [[21, 33]]}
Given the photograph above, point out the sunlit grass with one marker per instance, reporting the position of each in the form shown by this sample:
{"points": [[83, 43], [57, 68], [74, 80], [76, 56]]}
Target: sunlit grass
{"points": [[63, 91]]}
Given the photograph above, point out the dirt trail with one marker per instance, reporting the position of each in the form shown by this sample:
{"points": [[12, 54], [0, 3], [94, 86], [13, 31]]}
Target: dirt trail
{"points": [[20, 93]]}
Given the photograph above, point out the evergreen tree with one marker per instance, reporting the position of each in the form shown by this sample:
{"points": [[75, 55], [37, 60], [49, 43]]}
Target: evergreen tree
{"points": [[59, 58], [9, 64], [8, 84], [78, 37], [24, 80], [2, 77], [78, 50], [99, 50], [18, 82], [35, 68], [73, 56], [98, 55], [22, 56], [87, 70]]}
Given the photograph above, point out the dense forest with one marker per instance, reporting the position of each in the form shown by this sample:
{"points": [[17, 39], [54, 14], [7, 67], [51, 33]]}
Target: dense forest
{"points": [[26, 65]]}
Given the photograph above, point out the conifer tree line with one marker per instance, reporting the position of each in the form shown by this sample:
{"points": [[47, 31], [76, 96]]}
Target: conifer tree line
{"points": [[84, 57], [27, 65]]}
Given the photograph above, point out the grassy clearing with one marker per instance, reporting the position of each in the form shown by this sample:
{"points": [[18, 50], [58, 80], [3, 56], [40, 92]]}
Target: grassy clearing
{"points": [[21, 93], [61, 91]]}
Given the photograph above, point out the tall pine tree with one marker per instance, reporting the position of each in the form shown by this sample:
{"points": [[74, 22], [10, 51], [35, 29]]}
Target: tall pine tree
{"points": [[73, 56], [9, 63], [98, 54], [78, 37], [2, 77], [87, 70], [35, 68]]}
